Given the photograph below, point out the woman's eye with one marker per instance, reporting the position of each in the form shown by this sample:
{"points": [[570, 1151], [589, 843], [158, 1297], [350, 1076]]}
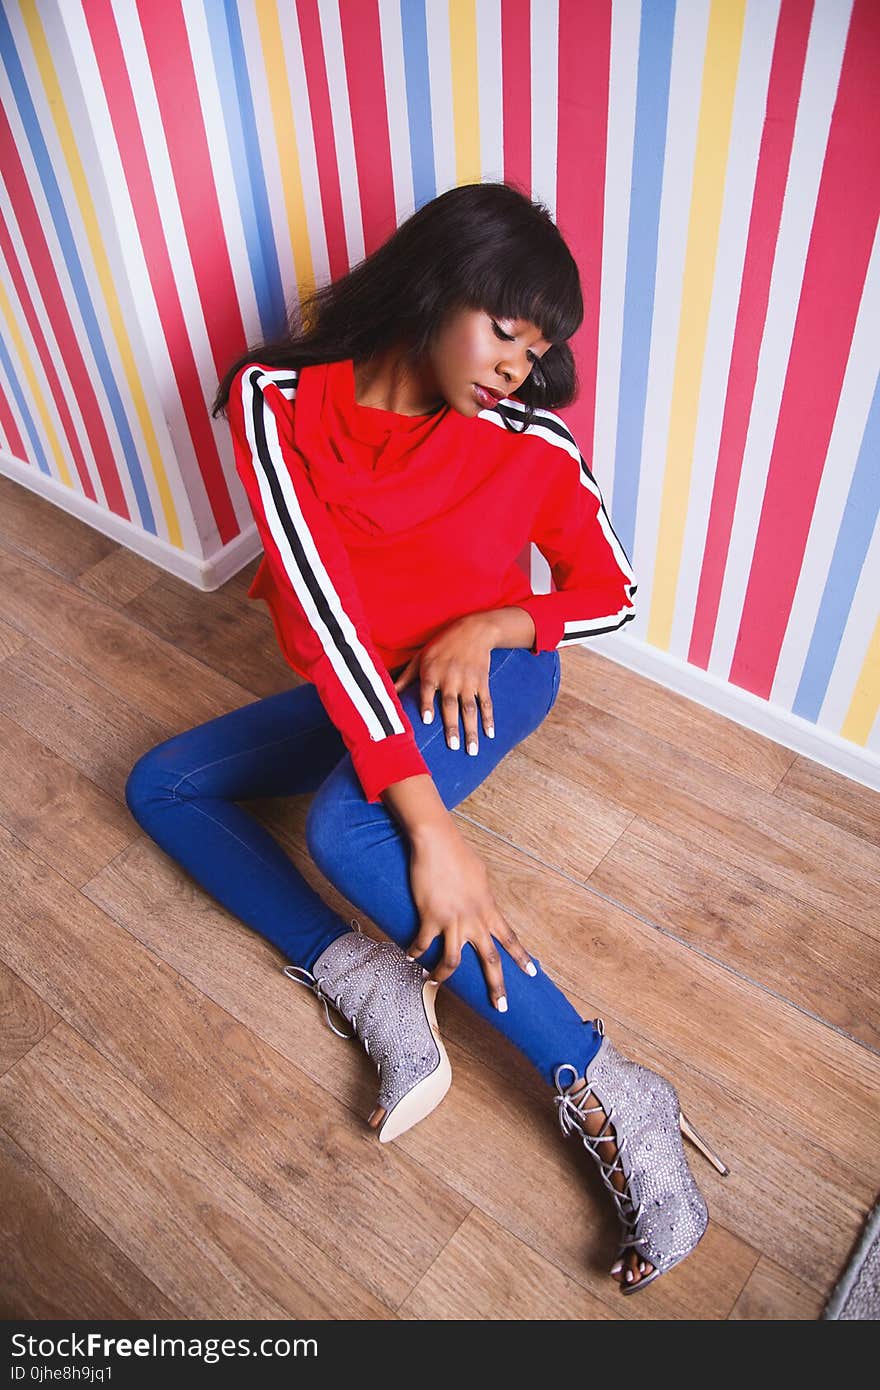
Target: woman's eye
{"points": [[499, 333]]}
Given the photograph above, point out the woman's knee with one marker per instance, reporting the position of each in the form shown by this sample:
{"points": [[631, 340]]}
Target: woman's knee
{"points": [[153, 779]]}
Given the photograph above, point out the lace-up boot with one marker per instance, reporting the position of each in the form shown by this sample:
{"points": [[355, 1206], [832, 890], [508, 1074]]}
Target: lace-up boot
{"points": [[390, 1003]]}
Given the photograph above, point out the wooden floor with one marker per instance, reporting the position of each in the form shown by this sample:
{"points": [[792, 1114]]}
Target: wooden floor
{"points": [[182, 1136]]}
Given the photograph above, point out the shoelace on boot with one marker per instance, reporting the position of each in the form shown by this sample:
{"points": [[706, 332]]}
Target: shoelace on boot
{"points": [[572, 1115], [296, 973]]}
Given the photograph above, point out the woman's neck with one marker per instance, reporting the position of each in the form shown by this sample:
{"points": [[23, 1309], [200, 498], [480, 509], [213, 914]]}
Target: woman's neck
{"points": [[387, 381]]}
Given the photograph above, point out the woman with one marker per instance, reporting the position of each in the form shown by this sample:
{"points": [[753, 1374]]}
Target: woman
{"points": [[394, 477]]}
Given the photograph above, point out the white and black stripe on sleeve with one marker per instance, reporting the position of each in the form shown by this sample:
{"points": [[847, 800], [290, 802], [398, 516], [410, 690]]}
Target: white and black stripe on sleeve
{"points": [[304, 567], [546, 425]]}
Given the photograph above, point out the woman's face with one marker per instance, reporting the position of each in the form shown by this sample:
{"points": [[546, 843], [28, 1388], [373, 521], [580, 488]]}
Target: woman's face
{"points": [[474, 349]]}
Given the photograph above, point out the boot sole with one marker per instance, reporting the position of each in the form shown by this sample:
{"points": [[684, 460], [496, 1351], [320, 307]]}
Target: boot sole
{"points": [[429, 1092]]}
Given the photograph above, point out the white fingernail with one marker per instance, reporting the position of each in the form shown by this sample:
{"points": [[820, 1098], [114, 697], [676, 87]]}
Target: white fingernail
{"points": [[615, 1269], [491, 731], [502, 1005], [641, 1266], [427, 716], [410, 957], [453, 742], [530, 968], [472, 749], [629, 1276]]}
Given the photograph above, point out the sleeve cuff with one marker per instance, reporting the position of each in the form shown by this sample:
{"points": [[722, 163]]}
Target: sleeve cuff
{"points": [[387, 760], [549, 626]]}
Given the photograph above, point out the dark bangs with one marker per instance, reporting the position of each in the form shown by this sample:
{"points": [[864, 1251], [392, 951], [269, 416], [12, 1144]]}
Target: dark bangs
{"points": [[540, 284]]}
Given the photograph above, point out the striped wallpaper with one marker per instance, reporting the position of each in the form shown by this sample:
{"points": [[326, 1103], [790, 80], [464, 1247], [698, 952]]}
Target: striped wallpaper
{"points": [[173, 171]]}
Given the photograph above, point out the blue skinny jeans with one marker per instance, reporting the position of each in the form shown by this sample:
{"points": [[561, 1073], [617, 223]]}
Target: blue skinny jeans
{"points": [[183, 793]]}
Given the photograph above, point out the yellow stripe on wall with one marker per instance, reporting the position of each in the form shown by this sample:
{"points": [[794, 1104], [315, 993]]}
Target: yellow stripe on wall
{"points": [[865, 703], [36, 389], [465, 90], [288, 150], [723, 45]]}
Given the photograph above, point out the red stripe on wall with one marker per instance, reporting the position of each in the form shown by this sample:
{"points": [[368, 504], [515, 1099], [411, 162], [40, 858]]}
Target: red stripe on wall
{"points": [[364, 68], [53, 299], [127, 129], [582, 141], [48, 359], [325, 141], [516, 80], [174, 79], [10, 429], [783, 95], [844, 226]]}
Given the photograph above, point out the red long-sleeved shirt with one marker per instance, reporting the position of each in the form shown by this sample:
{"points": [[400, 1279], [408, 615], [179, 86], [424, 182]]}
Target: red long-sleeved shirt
{"points": [[380, 529]]}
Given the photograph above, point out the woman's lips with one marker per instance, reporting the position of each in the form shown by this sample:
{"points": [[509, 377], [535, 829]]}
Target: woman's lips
{"points": [[485, 397]]}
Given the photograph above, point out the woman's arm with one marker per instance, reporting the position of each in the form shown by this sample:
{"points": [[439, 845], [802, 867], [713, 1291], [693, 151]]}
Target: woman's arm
{"points": [[316, 606], [451, 888], [416, 805]]}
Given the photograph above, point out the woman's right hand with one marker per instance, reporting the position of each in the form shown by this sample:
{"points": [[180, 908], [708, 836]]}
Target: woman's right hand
{"points": [[450, 887]]}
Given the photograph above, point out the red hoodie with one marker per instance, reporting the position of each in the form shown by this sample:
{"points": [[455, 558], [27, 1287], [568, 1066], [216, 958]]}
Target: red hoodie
{"points": [[380, 529]]}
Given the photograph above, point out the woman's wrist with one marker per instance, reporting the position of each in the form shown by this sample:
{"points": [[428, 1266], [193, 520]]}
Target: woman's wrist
{"points": [[510, 627], [417, 805]]}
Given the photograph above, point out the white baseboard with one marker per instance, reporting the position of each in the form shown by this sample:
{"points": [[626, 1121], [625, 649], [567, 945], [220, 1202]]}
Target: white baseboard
{"points": [[780, 725], [206, 575]]}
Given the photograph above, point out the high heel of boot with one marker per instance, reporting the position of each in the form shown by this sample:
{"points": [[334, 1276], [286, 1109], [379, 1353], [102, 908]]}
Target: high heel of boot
{"points": [[688, 1130]]}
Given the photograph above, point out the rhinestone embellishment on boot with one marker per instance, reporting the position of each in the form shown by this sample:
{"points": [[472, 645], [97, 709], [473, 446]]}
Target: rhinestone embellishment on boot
{"points": [[662, 1211], [380, 993]]}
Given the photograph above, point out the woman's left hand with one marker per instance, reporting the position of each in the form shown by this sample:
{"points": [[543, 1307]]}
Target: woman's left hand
{"points": [[456, 662]]}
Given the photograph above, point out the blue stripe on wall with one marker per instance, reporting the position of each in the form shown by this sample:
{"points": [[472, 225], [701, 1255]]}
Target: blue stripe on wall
{"points": [[418, 99], [230, 62], [19, 395], [649, 145], [850, 550]]}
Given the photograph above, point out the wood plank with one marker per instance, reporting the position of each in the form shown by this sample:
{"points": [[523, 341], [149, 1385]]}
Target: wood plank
{"points": [[77, 717], [773, 1293], [531, 800], [291, 1139], [486, 1273], [839, 800], [758, 929], [24, 1018], [671, 718], [751, 829], [230, 633], [197, 1231], [119, 578], [47, 535], [59, 1264], [11, 641], [60, 814], [171, 688]]}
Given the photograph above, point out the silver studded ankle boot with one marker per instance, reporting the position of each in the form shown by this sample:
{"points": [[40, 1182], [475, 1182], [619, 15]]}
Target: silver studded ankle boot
{"points": [[662, 1211], [390, 1003]]}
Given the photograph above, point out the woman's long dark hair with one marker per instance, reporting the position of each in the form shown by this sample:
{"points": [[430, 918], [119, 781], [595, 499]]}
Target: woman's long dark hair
{"points": [[479, 246]]}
